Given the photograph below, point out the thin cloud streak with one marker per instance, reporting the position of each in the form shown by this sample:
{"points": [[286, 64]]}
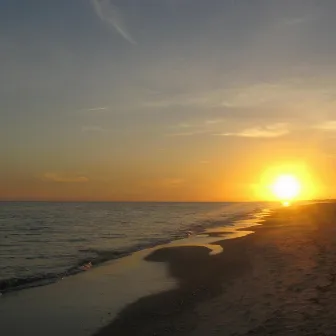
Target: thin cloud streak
{"points": [[111, 15], [204, 127], [97, 108], [329, 125], [289, 96], [93, 109], [60, 178], [270, 131]]}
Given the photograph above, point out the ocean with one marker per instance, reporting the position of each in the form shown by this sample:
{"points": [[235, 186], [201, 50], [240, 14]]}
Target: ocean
{"points": [[42, 242]]}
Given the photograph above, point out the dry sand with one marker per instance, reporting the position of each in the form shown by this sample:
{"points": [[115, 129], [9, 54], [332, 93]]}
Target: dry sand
{"points": [[279, 281]]}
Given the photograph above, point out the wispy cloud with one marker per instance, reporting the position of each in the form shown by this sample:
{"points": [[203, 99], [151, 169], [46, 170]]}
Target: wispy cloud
{"points": [[269, 131], [289, 97], [93, 109], [293, 21], [300, 19], [97, 108], [214, 121], [289, 94], [196, 128], [163, 183], [111, 15], [329, 125], [63, 178], [184, 125]]}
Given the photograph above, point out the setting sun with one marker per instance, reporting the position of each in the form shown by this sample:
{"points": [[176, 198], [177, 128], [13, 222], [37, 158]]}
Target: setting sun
{"points": [[287, 181], [286, 187]]}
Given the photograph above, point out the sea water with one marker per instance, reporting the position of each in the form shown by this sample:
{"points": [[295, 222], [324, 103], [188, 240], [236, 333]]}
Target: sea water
{"points": [[42, 242]]}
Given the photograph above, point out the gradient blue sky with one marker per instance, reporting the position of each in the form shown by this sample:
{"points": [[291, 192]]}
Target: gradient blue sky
{"points": [[164, 99]]}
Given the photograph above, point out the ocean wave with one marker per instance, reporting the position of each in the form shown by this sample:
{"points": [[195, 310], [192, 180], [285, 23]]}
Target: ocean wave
{"points": [[8, 285], [95, 257]]}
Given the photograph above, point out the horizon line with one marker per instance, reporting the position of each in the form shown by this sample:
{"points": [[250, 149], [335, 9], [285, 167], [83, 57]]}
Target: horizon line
{"points": [[153, 201]]}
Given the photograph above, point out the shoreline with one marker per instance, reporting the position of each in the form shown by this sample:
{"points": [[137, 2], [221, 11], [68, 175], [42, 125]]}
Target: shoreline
{"points": [[199, 276], [80, 305], [14, 284], [278, 281]]}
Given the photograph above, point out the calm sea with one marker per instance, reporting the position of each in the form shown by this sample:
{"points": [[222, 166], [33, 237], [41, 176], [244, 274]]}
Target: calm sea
{"points": [[43, 242]]}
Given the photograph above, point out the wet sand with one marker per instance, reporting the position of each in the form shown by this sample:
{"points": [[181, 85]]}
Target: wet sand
{"points": [[279, 281]]}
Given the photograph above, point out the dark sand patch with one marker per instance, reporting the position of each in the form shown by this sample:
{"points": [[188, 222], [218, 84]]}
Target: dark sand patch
{"points": [[200, 277]]}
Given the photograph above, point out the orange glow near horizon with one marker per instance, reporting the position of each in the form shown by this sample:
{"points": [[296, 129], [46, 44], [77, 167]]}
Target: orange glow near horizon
{"points": [[214, 182]]}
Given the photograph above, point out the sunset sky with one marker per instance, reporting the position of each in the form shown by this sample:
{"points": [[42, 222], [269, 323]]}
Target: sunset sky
{"points": [[165, 100]]}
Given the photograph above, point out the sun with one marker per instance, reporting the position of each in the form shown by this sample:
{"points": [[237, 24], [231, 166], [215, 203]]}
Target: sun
{"points": [[286, 188], [287, 182]]}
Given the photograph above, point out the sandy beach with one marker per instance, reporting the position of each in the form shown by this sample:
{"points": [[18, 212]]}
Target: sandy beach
{"points": [[279, 281]]}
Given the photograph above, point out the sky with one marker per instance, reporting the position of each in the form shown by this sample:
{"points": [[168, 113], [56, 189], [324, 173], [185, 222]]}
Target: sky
{"points": [[165, 100]]}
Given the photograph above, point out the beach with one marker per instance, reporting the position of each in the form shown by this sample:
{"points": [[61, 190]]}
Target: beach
{"points": [[80, 304], [278, 281]]}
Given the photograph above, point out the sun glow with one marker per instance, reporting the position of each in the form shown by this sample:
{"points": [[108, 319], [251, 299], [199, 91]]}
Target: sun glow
{"points": [[287, 182], [286, 187]]}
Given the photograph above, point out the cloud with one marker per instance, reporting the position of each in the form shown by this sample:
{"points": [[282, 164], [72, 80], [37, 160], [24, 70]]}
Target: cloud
{"points": [[305, 15], [111, 15], [93, 109], [288, 97], [329, 125], [270, 131], [214, 121], [97, 108], [249, 96], [184, 125], [293, 21], [63, 178], [288, 94], [200, 127], [167, 183]]}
